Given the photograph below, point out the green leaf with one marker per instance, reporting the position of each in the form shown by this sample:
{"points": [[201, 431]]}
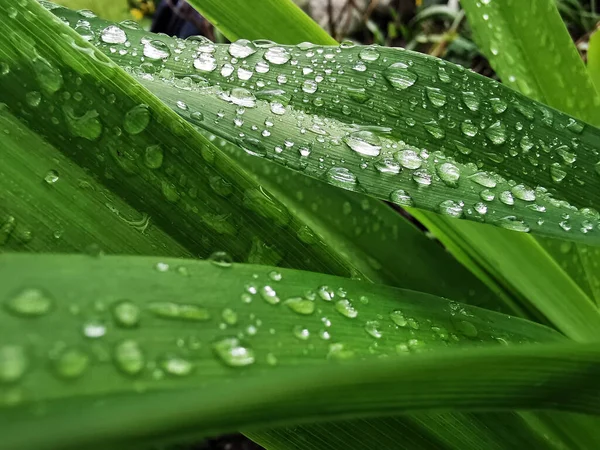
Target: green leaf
{"points": [[530, 48], [279, 20], [461, 148], [199, 337], [593, 59]]}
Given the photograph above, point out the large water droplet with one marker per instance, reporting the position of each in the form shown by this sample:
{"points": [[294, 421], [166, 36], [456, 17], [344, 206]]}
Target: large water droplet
{"points": [[369, 54], [326, 293], [398, 318], [153, 156], [129, 357], [113, 35], [221, 259], [346, 308], [48, 76], [232, 353], [471, 100], [400, 76], [449, 173], [176, 365], [300, 305], [451, 208], [341, 177], [181, 311], [242, 48], [408, 158], [277, 55], [402, 198], [507, 198], [496, 133], [269, 295], [523, 192], [365, 143], [514, 224], [71, 363], [498, 105], [29, 302], [436, 97], [484, 179], [126, 314], [373, 328], [156, 50], [241, 97], [205, 62], [137, 119]]}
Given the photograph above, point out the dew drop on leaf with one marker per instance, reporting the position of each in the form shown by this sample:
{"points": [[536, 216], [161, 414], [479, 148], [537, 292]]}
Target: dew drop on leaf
{"points": [[71, 363], [129, 357], [300, 305], [363, 142], [113, 35], [13, 363], [221, 259], [182, 311], [373, 328], [136, 119], [231, 352], [30, 302], [400, 76], [176, 365], [346, 308], [277, 55], [126, 314], [402, 198]]}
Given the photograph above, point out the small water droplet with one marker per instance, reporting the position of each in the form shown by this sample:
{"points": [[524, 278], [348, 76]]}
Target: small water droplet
{"points": [[301, 333], [13, 363], [408, 158], [325, 293], [514, 224], [341, 177], [242, 48], [402, 198], [33, 98], [498, 105], [398, 318], [205, 62], [523, 192], [29, 302], [232, 353], [368, 54], [507, 198], [51, 177], [436, 97], [94, 329], [471, 100], [449, 173], [451, 208], [176, 365], [156, 50], [496, 133], [229, 316]]}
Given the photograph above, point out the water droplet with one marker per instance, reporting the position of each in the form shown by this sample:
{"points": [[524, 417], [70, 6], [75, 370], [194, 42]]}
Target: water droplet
{"points": [[471, 100], [387, 165], [29, 302], [341, 177], [400, 76], [181, 311], [51, 177], [275, 275], [49, 77], [451, 208], [365, 143], [481, 208], [221, 259], [483, 179], [557, 173], [523, 192], [402, 198], [161, 267], [487, 195], [156, 50], [269, 295], [338, 351], [466, 328], [368, 54], [229, 316], [408, 158], [176, 365], [496, 133], [113, 35], [434, 129], [205, 62], [373, 328], [498, 105], [126, 314], [94, 329], [71, 363], [346, 308], [277, 55], [507, 198], [33, 98], [574, 126], [137, 119], [436, 97], [449, 173], [241, 97], [309, 86], [301, 333], [468, 128], [13, 363], [422, 177], [443, 75], [129, 357], [514, 224], [241, 49], [271, 359], [300, 305], [326, 293], [232, 353]]}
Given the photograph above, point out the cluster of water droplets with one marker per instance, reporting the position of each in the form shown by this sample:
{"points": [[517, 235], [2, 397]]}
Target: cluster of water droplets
{"points": [[269, 90]]}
